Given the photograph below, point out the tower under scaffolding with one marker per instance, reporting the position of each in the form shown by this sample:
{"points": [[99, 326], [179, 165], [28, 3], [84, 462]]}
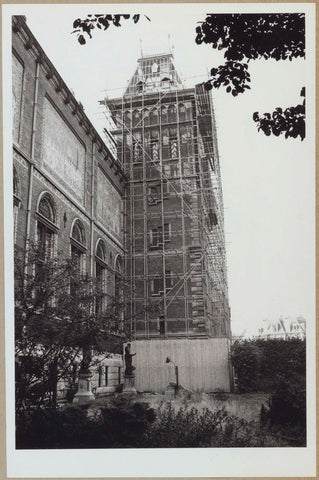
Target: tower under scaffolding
{"points": [[173, 227]]}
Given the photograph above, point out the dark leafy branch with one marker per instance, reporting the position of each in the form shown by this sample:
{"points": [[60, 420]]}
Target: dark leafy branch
{"points": [[290, 121], [232, 75], [245, 37], [103, 22]]}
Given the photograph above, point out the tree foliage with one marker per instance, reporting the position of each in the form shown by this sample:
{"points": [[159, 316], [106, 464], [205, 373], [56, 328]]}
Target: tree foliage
{"points": [[55, 320], [84, 27], [290, 121], [246, 37]]}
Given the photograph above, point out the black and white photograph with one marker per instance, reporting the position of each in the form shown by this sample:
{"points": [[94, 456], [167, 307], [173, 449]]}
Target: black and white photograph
{"points": [[159, 194]]}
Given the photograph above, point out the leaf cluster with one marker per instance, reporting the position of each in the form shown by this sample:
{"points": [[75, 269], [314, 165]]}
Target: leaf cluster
{"points": [[232, 75], [290, 121], [279, 36], [84, 27]]}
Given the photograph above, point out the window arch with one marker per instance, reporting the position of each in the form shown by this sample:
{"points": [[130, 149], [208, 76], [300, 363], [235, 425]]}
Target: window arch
{"points": [[78, 233], [136, 117], [118, 287], [146, 116], [16, 202], [118, 264], [46, 207], [172, 113], [182, 112], [127, 118], [164, 114], [100, 275], [154, 117], [78, 245], [100, 251], [46, 228], [15, 183]]}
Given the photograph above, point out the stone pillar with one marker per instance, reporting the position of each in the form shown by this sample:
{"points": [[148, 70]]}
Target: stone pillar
{"points": [[129, 385], [84, 393]]}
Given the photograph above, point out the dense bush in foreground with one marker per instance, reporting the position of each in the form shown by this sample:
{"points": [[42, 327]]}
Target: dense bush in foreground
{"points": [[124, 424]]}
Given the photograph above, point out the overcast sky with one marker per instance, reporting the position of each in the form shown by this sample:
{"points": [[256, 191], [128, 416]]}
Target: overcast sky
{"points": [[268, 182]]}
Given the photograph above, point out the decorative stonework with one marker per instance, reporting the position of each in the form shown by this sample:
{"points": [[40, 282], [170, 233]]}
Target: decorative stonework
{"points": [[63, 155], [108, 205]]}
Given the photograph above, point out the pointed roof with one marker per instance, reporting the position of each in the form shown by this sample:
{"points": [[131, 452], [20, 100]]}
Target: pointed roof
{"points": [[154, 73]]}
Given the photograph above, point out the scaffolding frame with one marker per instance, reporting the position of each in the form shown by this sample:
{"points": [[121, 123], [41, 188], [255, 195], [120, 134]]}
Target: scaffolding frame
{"points": [[193, 198]]}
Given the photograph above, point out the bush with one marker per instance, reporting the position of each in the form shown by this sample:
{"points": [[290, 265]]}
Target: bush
{"points": [[286, 412], [184, 427], [120, 424], [260, 365], [125, 422]]}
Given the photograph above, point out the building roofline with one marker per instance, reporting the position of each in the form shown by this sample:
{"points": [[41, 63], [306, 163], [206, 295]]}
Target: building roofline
{"points": [[19, 25], [155, 55]]}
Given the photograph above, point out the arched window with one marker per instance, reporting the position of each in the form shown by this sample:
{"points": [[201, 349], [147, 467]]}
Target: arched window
{"points": [[136, 118], [78, 245], [16, 202], [146, 116], [154, 117], [118, 265], [127, 119], [46, 227], [164, 114], [118, 288], [100, 275], [172, 113], [182, 112]]}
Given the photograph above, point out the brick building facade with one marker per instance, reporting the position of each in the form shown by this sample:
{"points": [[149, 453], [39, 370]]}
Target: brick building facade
{"points": [[68, 186]]}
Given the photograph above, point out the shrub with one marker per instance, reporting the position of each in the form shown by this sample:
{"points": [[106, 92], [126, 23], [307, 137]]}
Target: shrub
{"points": [[285, 413], [261, 365], [182, 427], [124, 422], [119, 424], [189, 427]]}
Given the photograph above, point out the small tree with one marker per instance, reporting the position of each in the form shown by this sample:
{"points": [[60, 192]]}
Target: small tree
{"points": [[56, 322]]}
